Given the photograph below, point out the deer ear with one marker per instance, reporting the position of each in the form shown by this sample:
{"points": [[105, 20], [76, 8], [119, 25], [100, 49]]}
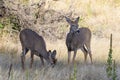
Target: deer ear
{"points": [[49, 51], [68, 20], [77, 19], [53, 54]]}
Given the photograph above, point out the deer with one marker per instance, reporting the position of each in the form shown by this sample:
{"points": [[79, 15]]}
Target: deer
{"points": [[30, 40], [78, 38]]}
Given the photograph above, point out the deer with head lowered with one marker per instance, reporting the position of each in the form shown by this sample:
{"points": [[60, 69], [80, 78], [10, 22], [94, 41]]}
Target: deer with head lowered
{"points": [[78, 38], [30, 40]]}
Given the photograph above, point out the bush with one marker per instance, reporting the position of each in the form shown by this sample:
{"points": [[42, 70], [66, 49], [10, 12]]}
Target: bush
{"points": [[111, 65]]}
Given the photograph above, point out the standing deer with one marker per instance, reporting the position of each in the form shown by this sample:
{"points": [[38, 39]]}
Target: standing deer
{"points": [[30, 40], [78, 38]]}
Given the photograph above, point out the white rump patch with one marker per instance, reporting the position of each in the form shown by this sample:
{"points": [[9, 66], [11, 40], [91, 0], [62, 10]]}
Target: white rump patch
{"points": [[85, 47]]}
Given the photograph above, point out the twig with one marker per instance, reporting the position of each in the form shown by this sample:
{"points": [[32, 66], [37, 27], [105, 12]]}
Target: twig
{"points": [[10, 69]]}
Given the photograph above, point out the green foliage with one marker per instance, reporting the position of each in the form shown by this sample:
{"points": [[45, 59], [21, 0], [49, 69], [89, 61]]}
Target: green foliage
{"points": [[4, 23], [111, 66], [114, 76], [109, 60], [9, 23], [74, 75], [1, 26], [8, 28], [15, 21], [75, 72]]}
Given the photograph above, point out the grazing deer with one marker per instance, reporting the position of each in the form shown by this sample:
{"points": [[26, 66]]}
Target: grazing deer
{"points": [[78, 38], [30, 40]]}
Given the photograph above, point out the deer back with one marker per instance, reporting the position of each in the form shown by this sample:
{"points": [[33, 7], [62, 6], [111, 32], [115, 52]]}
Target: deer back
{"points": [[32, 41]]}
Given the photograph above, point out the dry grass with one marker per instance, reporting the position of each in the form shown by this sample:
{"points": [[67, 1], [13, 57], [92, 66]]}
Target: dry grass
{"points": [[62, 70], [101, 16]]}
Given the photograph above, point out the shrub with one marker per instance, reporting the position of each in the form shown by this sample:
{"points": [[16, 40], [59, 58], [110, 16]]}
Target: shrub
{"points": [[111, 65]]}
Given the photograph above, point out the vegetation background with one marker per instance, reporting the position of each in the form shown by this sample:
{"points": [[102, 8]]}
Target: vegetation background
{"points": [[46, 17]]}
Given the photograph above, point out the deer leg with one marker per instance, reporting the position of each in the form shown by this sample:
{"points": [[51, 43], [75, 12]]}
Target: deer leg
{"points": [[90, 57], [69, 56], [74, 55], [32, 59], [25, 50], [85, 54], [42, 61], [89, 51], [22, 60]]}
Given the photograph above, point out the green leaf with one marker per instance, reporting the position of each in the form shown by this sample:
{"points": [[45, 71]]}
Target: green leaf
{"points": [[1, 26]]}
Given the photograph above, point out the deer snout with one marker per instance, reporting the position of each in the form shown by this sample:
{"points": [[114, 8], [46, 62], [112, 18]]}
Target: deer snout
{"points": [[52, 65]]}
